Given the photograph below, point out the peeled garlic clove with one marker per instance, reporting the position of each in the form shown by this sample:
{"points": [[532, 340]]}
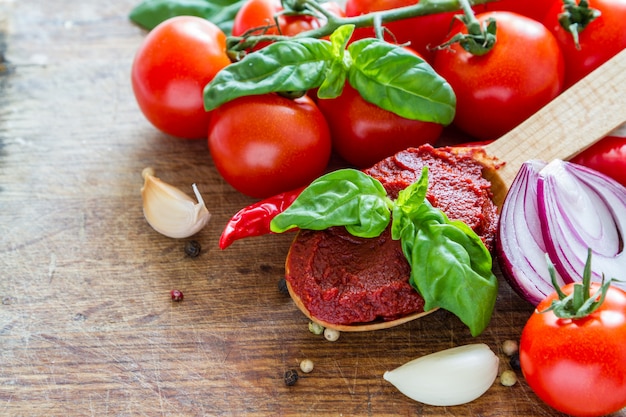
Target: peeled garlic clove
{"points": [[449, 377], [170, 211]]}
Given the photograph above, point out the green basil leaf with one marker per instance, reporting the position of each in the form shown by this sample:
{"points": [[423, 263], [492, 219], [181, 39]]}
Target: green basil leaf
{"points": [[451, 268], [332, 86], [345, 197], [401, 82], [149, 13], [411, 198], [405, 209], [339, 40], [290, 65]]}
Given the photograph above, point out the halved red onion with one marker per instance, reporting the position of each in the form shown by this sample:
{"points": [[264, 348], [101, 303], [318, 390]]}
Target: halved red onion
{"points": [[561, 209], [520, 245], [580, 208]]}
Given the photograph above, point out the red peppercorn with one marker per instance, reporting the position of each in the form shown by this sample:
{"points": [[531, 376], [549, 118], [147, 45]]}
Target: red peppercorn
{"points": [[176, 295]]}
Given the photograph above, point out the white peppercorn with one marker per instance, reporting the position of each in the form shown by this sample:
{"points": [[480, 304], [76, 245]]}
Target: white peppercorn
{"points": [[508, 378], [510, 347], [331, 334], [306, 366]]}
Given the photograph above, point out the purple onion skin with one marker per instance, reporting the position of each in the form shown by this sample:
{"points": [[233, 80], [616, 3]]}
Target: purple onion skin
{"points": [[523, 275], [524, 235]]}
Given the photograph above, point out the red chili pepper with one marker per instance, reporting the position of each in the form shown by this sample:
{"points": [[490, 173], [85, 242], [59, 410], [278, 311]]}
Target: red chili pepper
{"points": [[255, 219]]}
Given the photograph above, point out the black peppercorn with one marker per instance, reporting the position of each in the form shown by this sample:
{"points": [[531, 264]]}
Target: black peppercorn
{"points": [[514, 362], [291, 377], [192, 248], [282, 286]]}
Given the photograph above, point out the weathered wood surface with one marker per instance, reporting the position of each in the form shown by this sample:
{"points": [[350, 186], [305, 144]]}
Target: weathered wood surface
{"points": [[86, 322]]}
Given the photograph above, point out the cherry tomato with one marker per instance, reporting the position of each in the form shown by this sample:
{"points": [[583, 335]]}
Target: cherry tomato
{"points": [[498, 90], [363, 133], [172, 66], [578, 366], [266, 144], [535, 9], [600, 40], [607, 156], [264, 15], [422, 33]]}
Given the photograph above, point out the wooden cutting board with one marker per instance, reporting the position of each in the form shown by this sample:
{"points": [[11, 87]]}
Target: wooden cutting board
{"points": [[87, 326]]}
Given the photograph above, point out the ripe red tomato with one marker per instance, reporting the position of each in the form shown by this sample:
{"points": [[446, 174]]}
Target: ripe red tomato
{"points": [[498, 90], [578, 366], [363, 133], [432, 28], [600, 40], [607, 156], [535, 9], [266, 144], [263, 15], [172, 66]]}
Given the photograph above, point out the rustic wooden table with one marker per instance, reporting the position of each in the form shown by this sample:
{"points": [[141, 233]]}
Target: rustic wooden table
{"points": [[87, 326]]}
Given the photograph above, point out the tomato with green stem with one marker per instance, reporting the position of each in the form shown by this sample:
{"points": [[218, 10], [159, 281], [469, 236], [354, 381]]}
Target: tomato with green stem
{"points": [[363, 133], [572, 349], [599, 27], [266, 144], [170, 70], [496, 91]]}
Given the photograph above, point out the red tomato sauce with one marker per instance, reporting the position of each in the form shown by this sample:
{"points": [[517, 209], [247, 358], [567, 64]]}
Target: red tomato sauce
{"points": [[343, 279], [455, 185]]}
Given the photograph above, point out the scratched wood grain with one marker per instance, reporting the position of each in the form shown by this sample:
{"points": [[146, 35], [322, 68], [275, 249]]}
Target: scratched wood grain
{"points": [[86, 322]]}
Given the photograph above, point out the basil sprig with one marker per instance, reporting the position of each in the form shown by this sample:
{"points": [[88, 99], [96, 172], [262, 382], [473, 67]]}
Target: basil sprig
{"points": [[450, 265], [149, 13], [384, 74]]}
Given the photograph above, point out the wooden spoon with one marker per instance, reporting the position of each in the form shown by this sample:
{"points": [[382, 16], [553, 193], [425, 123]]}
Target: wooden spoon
{"points": [[575, 120], [361, 327]]}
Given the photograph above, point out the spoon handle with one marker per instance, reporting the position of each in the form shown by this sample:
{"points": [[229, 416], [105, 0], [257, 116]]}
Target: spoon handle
{"points": [[576, 119]]}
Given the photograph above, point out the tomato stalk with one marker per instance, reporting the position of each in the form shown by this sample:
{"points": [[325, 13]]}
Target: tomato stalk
{"points": [[480, 38], [575, 17], [295, 5], [580, 303], [236, 44]]}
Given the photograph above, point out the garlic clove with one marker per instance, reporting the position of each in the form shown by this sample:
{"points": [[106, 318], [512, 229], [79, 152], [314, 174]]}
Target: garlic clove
{"points": [[449, 377], [169, 210]]}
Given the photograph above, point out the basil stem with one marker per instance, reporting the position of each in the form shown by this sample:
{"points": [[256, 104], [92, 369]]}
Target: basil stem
{"points": [[450, 265]]}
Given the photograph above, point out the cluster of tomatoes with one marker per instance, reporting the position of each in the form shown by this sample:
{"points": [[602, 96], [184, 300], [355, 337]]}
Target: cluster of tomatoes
{"points": [[263, 145], [266, 144]]}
